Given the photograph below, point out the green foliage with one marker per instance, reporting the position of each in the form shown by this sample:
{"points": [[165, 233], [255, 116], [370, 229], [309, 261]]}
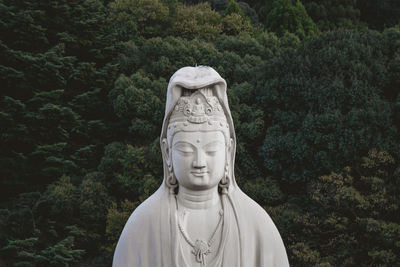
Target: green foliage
{"points": [[234, 21], [51, 55], [334, 14], [264, 191], [82, 101], [325, 105], [93, 200], [379, 14], [129, 171], [197, 21], [146, 18], [62, 253], [61, 195], [290, 16], [116, 219], [233, 7], [249, 12], [355, 215], [234, 24], [27, 253], [138, 19]]}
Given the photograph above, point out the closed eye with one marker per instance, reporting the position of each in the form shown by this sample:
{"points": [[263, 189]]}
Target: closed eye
{"points": [[214, 147], [184, 148], [185, 151], [211, 153]]}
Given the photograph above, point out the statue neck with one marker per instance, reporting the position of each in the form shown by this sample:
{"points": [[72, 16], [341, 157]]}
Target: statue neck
{"points": [[193, 199]]}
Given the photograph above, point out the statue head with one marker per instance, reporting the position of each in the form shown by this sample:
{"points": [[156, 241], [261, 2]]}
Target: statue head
{"points": [[197, 140]]}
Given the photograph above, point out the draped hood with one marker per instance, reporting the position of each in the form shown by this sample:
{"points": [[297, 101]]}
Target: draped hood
{"points": [[193, 78]]}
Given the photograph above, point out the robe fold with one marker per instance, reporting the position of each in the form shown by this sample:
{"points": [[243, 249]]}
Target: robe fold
{"points": [[150, 240]]}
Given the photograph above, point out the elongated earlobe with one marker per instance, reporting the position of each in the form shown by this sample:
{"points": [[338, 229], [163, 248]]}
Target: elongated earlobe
{"points": [[225, 181]]}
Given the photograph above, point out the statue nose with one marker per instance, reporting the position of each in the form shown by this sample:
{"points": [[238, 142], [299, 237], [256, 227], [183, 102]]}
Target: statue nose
{"points": [[199, 161]]}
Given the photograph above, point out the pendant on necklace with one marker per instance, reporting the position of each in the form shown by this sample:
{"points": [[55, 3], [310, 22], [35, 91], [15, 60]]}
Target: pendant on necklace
{"points": [[200, 250]]}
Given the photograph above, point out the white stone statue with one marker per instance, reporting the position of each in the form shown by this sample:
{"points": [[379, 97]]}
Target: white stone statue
{"points": [[199, 216]]}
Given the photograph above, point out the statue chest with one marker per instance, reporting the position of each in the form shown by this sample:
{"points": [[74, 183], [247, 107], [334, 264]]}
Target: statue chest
{"points": [[200, 235]]}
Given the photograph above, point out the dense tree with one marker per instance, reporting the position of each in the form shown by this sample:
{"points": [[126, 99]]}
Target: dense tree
{"points": [[116, 219], [325, 104], [290, 16], [233, 7], [234, 20], [197, 21], [26, 250], [82, 101], [134, 18], [355, 215], [48, 75], [334, 14], [379, 14]]}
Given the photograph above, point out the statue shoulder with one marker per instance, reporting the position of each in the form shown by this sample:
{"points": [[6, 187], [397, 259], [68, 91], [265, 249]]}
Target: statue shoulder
{"points": [[258, 228], [251, 208], [146, 212], [138, 235]]}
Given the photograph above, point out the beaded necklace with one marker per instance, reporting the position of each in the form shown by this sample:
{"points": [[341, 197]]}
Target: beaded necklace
{"points": [[200, 248]]}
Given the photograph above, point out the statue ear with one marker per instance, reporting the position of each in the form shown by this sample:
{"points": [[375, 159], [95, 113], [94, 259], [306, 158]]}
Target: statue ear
{"points": [[166, 152]]}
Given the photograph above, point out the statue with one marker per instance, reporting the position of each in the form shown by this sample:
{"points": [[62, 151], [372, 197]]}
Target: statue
{"points": [[199, 216]]}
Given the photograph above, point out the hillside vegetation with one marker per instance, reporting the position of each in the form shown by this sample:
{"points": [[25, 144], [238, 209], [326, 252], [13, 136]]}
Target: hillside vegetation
{"points": [[314, 89]]}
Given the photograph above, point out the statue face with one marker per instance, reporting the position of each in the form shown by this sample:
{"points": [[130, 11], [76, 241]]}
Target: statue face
{"points": [[198, 159]]}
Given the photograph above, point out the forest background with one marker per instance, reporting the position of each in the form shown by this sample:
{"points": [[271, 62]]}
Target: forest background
{"points": [[314, 91]]}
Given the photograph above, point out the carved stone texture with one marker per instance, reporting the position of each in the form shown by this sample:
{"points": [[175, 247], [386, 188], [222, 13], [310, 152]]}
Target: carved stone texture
{"points": [[199, 216]]}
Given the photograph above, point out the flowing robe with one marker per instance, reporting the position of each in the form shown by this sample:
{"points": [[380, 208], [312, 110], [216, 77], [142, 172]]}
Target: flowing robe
{"points": [[150, 237]]}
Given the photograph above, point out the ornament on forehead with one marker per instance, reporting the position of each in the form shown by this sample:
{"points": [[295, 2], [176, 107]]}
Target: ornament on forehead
{"points": [[198, 110]]}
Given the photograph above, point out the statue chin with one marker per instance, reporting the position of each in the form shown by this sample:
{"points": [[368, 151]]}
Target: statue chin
{"points": [[199, 216]]}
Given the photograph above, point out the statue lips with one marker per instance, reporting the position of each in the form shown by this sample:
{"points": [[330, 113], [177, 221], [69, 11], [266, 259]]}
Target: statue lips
{"points": [[199, 173]]}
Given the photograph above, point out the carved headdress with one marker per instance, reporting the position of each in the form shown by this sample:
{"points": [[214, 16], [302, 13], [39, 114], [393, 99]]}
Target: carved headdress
{"points": [[198, 110]]}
